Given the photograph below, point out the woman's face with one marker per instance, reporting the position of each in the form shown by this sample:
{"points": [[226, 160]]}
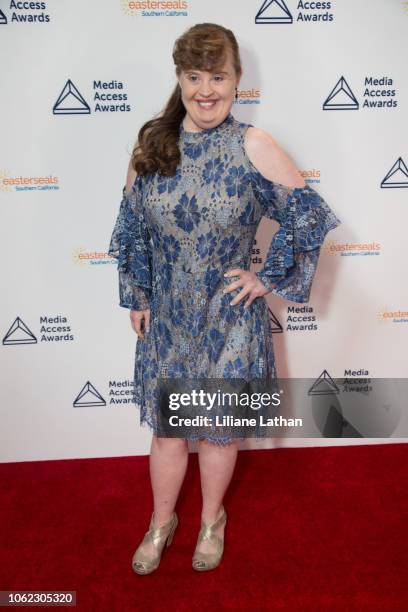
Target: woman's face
{"points": [[207, 96]]}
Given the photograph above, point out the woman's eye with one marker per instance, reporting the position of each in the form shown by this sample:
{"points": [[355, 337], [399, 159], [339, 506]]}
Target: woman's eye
{"points": [[219, 78], [193, 76]]}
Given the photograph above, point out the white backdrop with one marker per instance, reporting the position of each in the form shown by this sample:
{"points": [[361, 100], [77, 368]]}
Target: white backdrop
{"points": [[64, 153]]}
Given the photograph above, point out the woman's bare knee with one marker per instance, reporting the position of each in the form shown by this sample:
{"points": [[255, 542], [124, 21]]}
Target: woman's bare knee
{"points": [[170, 444]]}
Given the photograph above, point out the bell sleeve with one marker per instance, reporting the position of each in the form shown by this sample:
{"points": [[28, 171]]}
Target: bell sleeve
{"points": [[292, 257], [130, 245]]}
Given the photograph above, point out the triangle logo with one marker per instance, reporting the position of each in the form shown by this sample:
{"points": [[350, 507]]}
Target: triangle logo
{"points": [[274, 11], [324, 385], [19, 333], [341, 97], [276, 326], [397, 176], [89, 396], [71, 102]]}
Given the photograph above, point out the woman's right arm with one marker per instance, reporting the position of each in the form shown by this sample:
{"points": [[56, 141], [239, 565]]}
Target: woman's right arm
{"points": [[130, 178], [130, 245]]}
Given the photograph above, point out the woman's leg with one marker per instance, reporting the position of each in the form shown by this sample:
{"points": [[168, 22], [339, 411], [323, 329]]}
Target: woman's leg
{"points": [[168, 465], [217, 463]]}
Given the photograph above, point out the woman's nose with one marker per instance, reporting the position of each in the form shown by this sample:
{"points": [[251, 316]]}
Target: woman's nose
{"points": [[206, 89]]}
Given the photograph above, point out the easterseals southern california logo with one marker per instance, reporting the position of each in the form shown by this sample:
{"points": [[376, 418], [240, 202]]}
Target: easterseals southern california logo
{"points": [[155, 8], [395, 316], [352, 249], [83, 257], [248, 96], [9, 183]]}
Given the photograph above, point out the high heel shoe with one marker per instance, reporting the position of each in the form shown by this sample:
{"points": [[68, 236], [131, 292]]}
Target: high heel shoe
{"points": [[159, 536], [208, 561]]}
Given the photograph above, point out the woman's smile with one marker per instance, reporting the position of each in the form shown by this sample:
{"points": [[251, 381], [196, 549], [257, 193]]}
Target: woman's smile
{"points": [[206, 104]]}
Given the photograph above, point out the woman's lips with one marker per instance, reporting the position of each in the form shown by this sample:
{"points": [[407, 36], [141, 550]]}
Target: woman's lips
{"points": [[206, 104]]}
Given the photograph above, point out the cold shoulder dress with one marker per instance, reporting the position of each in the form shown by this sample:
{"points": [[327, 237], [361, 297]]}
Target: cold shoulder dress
{"points": [[175, 237]]}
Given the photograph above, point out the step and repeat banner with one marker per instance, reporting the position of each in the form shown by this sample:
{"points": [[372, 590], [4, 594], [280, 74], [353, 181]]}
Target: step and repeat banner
{"points": [[327, 79]]}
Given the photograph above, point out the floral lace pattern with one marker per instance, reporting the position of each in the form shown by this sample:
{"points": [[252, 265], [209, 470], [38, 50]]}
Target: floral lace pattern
{"points": [[175, 237]]}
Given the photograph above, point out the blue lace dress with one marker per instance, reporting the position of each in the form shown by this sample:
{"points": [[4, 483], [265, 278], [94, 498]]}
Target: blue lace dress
{"points": [[175, 237]]}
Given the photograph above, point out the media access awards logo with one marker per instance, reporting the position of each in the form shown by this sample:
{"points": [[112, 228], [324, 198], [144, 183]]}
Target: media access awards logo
{"points": [[51, 329], [277, 12], [276, 327], [21, 13], [341, 97], [120, 392], [353, 380], [376, 93], [88, 396], [19, 333], [396, 177], [357, 405], [106, 96], [300, 319], [324, 385]]}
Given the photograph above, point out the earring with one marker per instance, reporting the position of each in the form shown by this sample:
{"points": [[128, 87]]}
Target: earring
{"points": [[236, 93]]}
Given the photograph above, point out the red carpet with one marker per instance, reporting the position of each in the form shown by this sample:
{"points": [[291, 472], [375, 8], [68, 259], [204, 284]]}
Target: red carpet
{"points": [[308, 529]]}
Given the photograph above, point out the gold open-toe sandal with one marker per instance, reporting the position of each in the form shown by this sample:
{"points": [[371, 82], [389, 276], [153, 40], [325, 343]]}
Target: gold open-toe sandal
{"points": [[203, 562], [160, 536]]}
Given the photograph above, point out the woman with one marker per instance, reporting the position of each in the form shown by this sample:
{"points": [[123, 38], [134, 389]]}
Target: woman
{"points": [[198, 184]]}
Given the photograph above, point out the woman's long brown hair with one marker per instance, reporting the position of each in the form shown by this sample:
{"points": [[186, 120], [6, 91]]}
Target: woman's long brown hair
{"points": [[204, 46]]}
